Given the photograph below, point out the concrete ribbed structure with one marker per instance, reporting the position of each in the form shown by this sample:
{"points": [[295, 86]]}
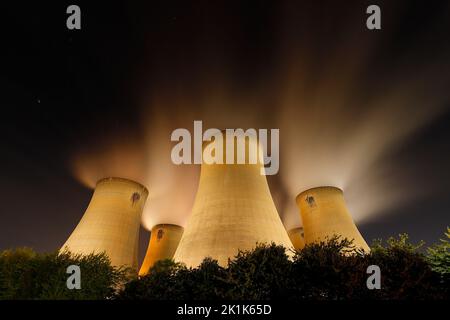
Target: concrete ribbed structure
{"points": [[324, 213], [164, 240], [111, 222], [233, 210], [296, 236]]}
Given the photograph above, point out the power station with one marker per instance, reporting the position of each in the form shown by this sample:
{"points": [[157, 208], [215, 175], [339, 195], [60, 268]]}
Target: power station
{"points": [[233, 210], [325, 214], [163, 243], [111, 222]]}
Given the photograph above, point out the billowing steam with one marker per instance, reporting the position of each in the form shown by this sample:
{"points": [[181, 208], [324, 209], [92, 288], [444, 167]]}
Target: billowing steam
{"points": [[341, 112]]}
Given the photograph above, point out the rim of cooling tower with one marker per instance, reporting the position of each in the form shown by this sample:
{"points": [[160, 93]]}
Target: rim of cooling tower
{"points": [[122, 180], [295, 229], [167, 225], [223, 132], [317, 188]]}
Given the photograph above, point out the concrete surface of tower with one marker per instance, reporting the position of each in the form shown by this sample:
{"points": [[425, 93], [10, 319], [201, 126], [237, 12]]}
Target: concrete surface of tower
{"points": [[111, 222], [233, 210], [297, 238], [163, 243], [324, 214]]}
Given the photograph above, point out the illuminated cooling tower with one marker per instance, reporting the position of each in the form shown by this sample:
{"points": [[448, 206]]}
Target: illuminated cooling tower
{"points": [[325, 214], [233, 210], [163, 243], [297, 238], [111, 222]]}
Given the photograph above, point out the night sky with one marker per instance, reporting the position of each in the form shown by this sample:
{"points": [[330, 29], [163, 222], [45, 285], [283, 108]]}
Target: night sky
{"points": [[69, 92]]}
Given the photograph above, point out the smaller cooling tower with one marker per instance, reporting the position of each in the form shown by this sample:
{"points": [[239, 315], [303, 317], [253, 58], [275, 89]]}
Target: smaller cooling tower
{"points": [[297, 238], [163, 243], [324, 214], [111, 222]]}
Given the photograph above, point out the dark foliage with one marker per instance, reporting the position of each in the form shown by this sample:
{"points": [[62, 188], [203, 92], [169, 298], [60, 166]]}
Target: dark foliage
{"points": [[24, 274], [259, 274], [331, 270], [173, 281]]}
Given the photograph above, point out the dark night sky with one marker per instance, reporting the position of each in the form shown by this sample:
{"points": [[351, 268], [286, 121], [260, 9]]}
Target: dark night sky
{"points": [[62, 89]]}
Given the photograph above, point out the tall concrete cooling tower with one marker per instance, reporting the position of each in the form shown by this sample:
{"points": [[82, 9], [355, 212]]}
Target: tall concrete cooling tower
{"points": [[324, 214], [297, 238], [233, 210], [163, 243], [111, 222]]}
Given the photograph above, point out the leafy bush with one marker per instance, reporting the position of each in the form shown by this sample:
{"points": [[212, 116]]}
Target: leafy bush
{"points": [[439, 259], [439, 255], [260, 274], [330, 270], [406, 273], [168, 280], [25, 274]]}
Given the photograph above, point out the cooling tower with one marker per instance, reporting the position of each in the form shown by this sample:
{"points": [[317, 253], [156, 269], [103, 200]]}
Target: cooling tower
{"points": [[324, 214], [297, 238], [163, 243], [111, 222], [233, 210]]}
